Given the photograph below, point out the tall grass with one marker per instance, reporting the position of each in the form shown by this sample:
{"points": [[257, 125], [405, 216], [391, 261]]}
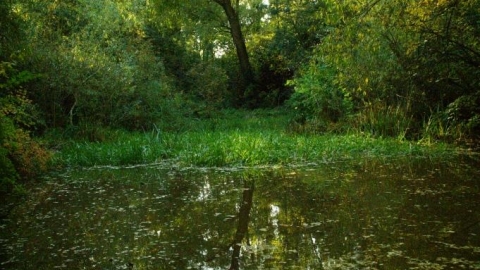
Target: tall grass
{"points": [[235, 139], [439, 127], [384, 121]]}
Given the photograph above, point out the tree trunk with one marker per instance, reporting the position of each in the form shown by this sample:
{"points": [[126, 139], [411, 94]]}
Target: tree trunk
{"points": [[241, 48], [243, 220]]}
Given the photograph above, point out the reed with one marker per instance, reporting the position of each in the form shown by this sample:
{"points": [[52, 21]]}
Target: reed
{"points": [[381, 121]]}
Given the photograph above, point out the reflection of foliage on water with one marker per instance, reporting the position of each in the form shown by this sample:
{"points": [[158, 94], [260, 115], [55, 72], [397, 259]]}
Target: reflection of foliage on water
{"points": [[388, 214]]}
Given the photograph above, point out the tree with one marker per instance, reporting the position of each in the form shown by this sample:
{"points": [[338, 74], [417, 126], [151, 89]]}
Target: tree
{"points": [[289, 31], [239, 41], [200, 27]]}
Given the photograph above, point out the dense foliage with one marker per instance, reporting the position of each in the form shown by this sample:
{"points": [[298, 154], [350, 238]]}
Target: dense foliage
{"points": [[78, 68], [408, 68], [21, 157]]}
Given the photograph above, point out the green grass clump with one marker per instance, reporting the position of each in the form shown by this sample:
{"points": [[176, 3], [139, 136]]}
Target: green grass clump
{"points": [[240, 139]]}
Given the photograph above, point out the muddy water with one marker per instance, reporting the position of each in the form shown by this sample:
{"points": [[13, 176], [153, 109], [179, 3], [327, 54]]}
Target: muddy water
{"points": [[370, 214]]}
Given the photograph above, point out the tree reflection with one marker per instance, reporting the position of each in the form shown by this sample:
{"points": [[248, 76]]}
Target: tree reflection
{"points": [[243, 219]]}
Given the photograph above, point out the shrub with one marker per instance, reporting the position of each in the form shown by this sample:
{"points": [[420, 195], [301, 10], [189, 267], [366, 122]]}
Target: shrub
{"points": [[20, 156], [8, 174], [465, 112], [28, 156], [318, 101], [98, 68]]}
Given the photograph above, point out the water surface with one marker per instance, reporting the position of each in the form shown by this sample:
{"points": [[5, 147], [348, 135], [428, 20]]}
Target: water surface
{"points": [[369, 214]]}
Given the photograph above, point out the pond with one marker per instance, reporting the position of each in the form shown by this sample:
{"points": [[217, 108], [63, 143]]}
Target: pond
{"points": [[409, 213]]}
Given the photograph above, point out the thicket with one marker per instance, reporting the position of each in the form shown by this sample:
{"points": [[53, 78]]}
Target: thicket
{"points": [[97, 67], [21, 157], [407, 69]]}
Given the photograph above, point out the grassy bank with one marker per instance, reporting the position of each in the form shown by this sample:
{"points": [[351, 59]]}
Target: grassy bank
{"points": [[235, 139]]}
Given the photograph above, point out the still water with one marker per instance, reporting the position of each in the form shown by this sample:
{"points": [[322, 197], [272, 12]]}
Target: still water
{"points": [[369, 214]]}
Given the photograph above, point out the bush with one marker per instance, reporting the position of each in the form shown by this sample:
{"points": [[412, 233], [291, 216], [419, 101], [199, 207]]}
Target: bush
{"points": [[101, 71], [460, 121], [8, 174], [317, 97], [398, 63], [20, 156], [28, 156], [465, 112]]}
